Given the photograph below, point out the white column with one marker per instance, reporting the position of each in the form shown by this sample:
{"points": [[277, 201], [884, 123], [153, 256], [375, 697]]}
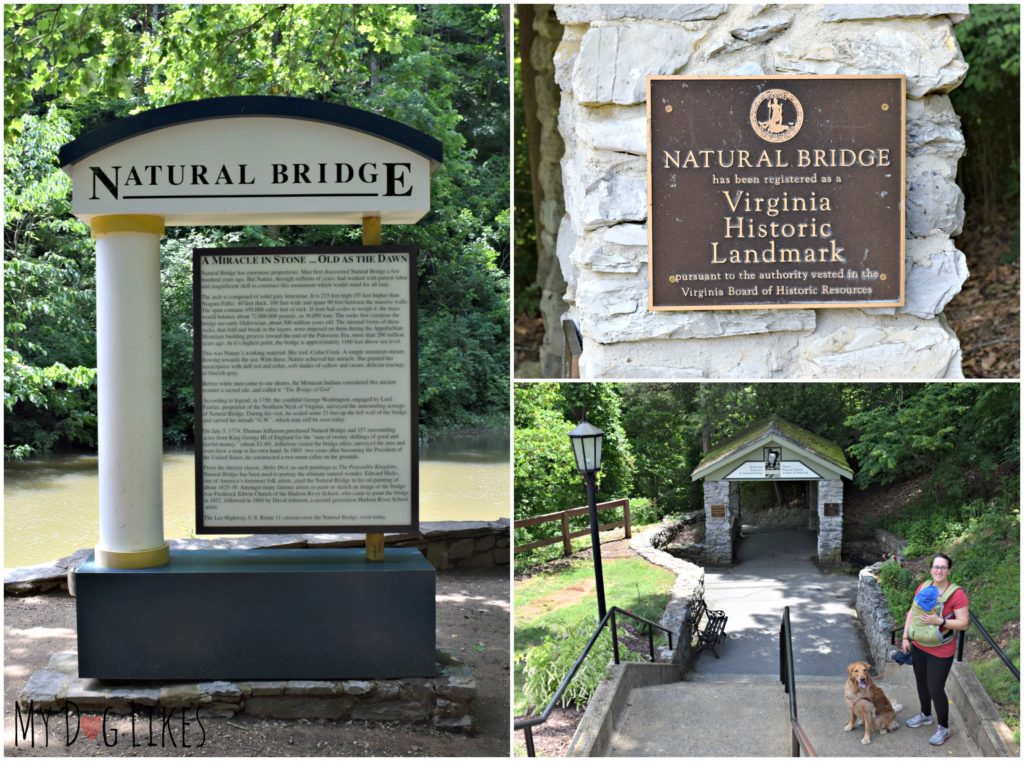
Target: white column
{"points": [[129, 391]]}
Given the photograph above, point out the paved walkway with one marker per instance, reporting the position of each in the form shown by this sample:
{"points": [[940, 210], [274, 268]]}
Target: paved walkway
{"points": [[735, 706], [775, 568]]}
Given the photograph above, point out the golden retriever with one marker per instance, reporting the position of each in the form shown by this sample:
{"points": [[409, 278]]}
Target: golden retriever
{"points": [[867, 703]]}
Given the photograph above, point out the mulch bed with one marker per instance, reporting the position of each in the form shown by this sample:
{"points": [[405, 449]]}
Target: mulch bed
{"points": [[986, 313], [552, 738]]}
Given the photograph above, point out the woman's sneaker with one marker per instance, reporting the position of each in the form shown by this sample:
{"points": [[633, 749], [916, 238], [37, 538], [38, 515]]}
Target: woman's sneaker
{"points": [[940, 736], [920, 720]]}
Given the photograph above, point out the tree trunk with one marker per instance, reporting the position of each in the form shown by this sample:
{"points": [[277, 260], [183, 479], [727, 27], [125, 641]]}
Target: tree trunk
{"points": [[506, 32]]}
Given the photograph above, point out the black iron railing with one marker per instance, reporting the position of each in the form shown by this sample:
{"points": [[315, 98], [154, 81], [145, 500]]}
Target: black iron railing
{"points": [[788, 678], [960, 636], [527, 725]]}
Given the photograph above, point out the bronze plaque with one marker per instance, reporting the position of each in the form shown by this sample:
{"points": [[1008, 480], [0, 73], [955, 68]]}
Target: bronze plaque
{"points": [[718, 511], [832, 509], [776, 192]]}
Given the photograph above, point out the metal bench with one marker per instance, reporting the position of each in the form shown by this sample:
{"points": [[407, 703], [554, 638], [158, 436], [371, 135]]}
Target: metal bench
{"points": [[713, 631]]}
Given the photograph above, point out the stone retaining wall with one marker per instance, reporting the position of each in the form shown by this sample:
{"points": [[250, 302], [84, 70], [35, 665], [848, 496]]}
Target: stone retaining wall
{"points": [[676, 617], [600, 65], [776, 517], [875, 618], [446, 544]]}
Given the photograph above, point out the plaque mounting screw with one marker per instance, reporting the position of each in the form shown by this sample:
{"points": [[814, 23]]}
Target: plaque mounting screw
{"points": [[883, 276], [668, 109], [885, 106]]}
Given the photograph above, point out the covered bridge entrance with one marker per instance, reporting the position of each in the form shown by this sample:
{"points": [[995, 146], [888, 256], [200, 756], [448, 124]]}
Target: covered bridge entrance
{"points": [[773, 450]]}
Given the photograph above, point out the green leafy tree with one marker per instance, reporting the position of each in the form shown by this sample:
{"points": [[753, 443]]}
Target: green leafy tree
{"points": [[603, 405], [49, 300], [546, 479], [657, 419], [899, 440], [988, 103], [69, 68]]}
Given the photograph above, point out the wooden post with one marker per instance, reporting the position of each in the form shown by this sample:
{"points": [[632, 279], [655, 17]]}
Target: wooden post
{"points": [[629, 523], [374, 541], [566, 539]]}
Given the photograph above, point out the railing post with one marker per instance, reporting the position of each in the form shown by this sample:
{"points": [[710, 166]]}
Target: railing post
{"points": [[528, 731], [566, 539], [650, 641], [615, 638], [960, 644], [629, 524], [782, 654]]}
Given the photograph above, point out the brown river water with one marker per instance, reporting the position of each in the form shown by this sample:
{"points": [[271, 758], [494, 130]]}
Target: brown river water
{"points": [[51, 506]]}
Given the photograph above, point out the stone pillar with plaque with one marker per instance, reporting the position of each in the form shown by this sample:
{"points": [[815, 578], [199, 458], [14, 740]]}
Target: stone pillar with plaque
{"points": [[306, 392], [780, 192]]}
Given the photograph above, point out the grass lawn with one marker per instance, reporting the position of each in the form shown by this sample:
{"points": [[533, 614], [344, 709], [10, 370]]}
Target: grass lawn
{"points": [[566, 597]]}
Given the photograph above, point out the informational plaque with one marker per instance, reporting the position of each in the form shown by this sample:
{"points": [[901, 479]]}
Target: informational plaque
{"points": [[718, 511], [776, 192], [832, 509], [306, 389]]}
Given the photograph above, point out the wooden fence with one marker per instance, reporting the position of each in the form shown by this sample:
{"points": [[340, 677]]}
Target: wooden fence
{"points": [[567, 536]]}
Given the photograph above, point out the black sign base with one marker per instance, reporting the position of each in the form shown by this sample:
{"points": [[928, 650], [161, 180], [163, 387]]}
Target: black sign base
{"points": [[259, 614]]}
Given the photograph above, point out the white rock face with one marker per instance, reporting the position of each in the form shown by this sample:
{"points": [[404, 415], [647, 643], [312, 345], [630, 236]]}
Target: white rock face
{"points": [[841, 12], [600, 65], [934, 128], [935, 202], [614, 198], [590, 12], [566, 245], [936, 271], [926, 51], [622, 305], [614, 60], [763, 28], [855, 345], [621, 130]]}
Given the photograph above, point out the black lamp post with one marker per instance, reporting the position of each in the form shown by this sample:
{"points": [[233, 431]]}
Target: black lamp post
{"points": [[586, 446]]}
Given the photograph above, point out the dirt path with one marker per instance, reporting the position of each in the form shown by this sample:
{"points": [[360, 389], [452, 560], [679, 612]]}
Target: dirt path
{"points": [[472, 620]]}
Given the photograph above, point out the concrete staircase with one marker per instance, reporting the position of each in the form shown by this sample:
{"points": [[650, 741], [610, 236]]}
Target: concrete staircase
{"points": [[734, 715]]}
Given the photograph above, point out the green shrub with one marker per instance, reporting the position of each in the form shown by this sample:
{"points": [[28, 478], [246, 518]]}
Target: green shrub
{"points": [[1001, 686], [547, 664], [898, 585], [642, 512]]}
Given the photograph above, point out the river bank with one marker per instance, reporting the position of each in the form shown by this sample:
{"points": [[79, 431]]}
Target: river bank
{"points": [[51, 505]]}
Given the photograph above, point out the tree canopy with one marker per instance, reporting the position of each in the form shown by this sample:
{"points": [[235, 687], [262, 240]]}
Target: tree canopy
{"points": [[889, 431], [441, 69]]}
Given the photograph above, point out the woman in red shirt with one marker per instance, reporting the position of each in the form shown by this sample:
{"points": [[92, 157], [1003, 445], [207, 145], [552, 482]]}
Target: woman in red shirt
{"points": [[933, 663]]}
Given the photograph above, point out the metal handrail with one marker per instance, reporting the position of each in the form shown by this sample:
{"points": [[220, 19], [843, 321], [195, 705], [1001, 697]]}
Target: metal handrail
{"points": [[527, 725], [960, 636], [788, 678]]}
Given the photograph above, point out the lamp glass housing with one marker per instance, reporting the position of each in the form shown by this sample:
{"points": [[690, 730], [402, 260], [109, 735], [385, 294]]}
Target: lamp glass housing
{"points": [[586, 446]]}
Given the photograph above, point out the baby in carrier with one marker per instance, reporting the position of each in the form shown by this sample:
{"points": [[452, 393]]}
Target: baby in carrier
{"points": [[926, 602]]}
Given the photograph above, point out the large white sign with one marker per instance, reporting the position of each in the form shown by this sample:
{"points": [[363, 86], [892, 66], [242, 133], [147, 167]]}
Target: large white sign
{"points": [[236, 161], [754, 470], [306, 390]]}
